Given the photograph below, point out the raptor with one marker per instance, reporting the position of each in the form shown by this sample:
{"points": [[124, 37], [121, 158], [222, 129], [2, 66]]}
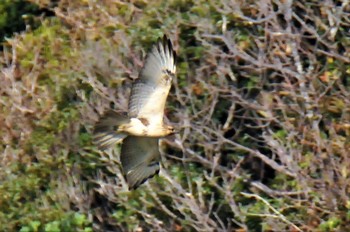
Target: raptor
{"points": [[143, 126]]}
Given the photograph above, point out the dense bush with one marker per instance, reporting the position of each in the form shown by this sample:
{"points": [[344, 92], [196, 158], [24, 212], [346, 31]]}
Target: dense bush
{"points": [[17, 15], [262, 100]]}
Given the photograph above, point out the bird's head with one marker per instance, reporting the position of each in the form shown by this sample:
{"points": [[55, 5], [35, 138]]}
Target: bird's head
{"points": [[171, 130], [168, 75]]}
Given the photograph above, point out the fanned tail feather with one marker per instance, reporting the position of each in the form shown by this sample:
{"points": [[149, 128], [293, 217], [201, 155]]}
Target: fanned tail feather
{"points": [[106, 133]]}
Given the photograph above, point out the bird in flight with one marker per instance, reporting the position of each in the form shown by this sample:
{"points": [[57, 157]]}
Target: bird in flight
{"points": [[143, 125]]}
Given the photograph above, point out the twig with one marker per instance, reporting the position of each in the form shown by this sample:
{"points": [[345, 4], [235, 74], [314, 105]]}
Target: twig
{"points": [[277, 213]]}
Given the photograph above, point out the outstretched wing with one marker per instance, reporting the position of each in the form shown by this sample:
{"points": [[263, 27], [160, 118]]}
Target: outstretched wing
{"points": [[140, 158], [150, 90]]}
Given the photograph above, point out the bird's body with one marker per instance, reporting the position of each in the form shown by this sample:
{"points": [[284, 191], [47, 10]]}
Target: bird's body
{"points": [[143, 126]]}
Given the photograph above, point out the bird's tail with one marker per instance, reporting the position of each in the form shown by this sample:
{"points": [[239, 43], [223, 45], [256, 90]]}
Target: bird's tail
{"points": [[106, 133]]}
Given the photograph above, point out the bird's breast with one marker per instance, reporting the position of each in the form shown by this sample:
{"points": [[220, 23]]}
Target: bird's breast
{"points": [[137, 127]]}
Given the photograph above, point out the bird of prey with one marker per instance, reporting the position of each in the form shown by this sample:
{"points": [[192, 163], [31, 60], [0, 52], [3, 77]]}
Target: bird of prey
{"points": [[142, 127]]}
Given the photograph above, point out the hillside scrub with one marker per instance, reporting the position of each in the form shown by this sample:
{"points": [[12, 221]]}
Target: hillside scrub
{"points": [[261, 99]]}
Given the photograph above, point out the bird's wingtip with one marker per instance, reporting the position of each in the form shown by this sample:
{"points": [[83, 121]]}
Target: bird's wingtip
{"points": [[168, 45]]}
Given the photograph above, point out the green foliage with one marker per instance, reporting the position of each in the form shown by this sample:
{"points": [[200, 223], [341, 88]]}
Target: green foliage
{"points": [[331, 224], [75, 221], [15, 15], [28, 194], [262, 145]]}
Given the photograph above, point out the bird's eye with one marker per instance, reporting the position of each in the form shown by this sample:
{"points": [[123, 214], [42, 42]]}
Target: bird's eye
{"points": [[168, 73]]}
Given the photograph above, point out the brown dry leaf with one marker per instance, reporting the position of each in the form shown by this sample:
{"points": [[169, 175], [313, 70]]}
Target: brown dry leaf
{"points": [[197, 89], [178, 227], [325, 77], [241, 230]]}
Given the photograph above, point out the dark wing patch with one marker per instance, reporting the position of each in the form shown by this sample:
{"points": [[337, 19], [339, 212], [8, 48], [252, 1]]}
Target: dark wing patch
{"points": [[144, 121]]}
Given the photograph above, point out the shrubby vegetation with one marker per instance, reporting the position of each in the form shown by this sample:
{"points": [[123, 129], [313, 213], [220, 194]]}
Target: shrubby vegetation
{"points": [[261, 98], [16, 15]]}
